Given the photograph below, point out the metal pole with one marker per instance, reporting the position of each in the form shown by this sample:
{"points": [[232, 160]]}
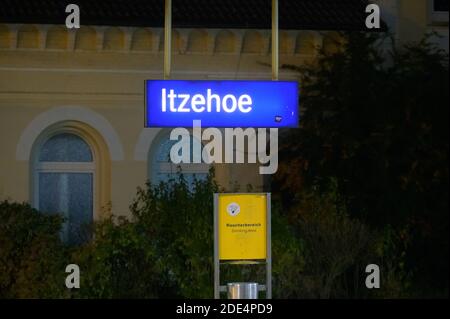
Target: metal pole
{"points": [[216, 248], [167, 38], [275, 43], [269, 248]]}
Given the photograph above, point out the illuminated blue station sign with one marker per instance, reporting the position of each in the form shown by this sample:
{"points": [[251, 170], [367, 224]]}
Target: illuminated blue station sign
{"points": [[173, 103]]}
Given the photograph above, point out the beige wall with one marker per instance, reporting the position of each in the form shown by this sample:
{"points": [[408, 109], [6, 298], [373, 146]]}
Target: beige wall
{"points": [[102, 70], [413, 19], [410, 20]]}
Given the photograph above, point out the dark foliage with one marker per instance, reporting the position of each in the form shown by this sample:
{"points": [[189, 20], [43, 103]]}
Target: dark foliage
{"points": [[377, 121]]}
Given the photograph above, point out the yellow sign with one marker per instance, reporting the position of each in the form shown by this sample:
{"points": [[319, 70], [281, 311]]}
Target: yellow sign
{"points": [[242, 226]]}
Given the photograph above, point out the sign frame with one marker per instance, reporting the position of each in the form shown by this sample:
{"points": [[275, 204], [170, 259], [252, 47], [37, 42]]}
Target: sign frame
{"points": [[289, 115], [268, 261]]}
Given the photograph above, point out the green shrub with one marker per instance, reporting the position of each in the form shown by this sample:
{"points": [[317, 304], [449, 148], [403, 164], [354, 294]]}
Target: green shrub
{"points": [[32, 257], [336, 247], [166, 250], [118, 263], [376, 118], [288, 257], [391, 250], [179, 223]]}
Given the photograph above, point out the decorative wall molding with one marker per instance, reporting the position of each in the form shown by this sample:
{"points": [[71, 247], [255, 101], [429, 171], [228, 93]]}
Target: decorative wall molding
{"points": [[134, 40]]}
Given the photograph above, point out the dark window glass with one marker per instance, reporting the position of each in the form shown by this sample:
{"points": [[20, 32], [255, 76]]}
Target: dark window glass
{"points": [[71, 195], [440, 5]]}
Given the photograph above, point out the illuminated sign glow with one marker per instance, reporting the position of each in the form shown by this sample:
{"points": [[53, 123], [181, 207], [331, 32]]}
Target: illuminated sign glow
{"points": [[173, 103]]}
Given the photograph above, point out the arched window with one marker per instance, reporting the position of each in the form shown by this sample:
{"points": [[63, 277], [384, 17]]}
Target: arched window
{"points": [[64, 183], [162, 169]]}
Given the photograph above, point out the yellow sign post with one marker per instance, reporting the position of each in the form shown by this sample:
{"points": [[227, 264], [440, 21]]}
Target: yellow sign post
{"points": [[242, 233]]}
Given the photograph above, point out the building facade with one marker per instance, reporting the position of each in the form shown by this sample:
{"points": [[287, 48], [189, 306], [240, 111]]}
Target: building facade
{"points": [[72, 134], [411, 20]]}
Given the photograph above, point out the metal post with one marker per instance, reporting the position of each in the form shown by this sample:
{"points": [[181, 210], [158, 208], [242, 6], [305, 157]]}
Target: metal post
{"points": [[275, 43], [216, 248], [269, 248], [167, 38], [242, 290]]}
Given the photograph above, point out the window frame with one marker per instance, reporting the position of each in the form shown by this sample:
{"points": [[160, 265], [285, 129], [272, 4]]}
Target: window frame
{"points": [[39, 167], [437, 18], [64, 167]]}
